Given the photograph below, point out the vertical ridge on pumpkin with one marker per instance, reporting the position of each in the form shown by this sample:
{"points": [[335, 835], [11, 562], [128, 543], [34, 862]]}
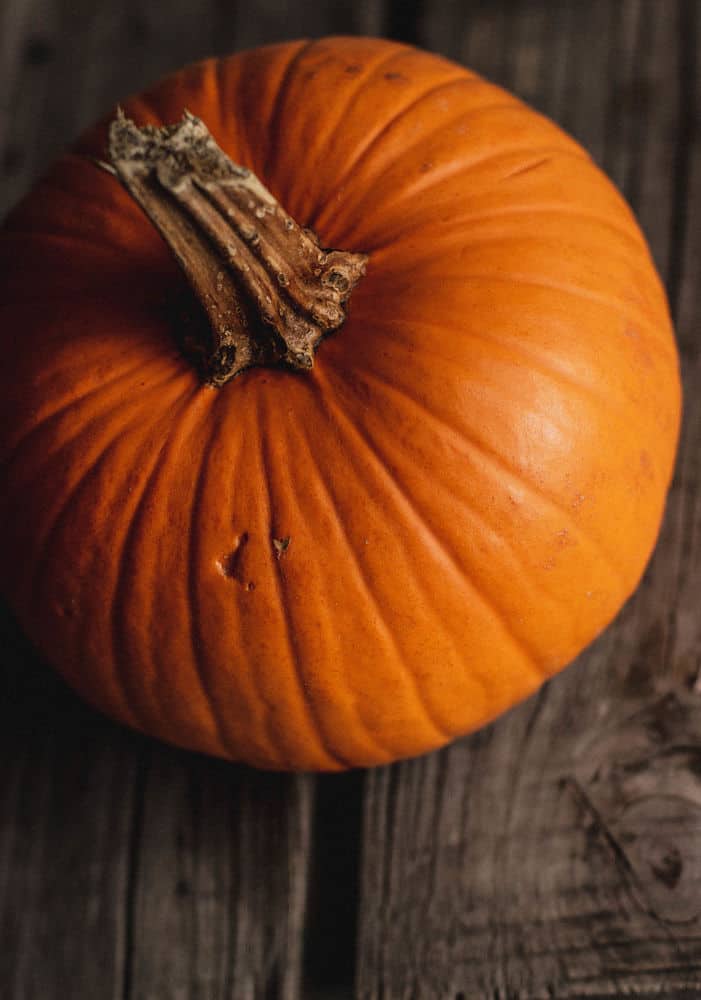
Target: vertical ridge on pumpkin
{"points": [[127, 644], [391, 183], [99, 437], [349, 91], [326, 222], [447, 554], [402, 503], [296, 661], [197, 637], [230, 672], [297, 52], [396, 654]]}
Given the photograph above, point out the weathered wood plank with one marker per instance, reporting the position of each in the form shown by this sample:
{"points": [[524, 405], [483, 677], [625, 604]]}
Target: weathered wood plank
{"points": [[556, 853], [66, 807], [218, 889]]}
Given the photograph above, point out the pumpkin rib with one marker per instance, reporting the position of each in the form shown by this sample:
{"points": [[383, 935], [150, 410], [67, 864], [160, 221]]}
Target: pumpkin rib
{"points": [[226, 747], [39, 429], [485, 527], [421, 699], [196, 636], [516, 640], [296, 56], [65, 509], [452, 168], [196, 639], [515, 345], [556, 505], [39, 575], [144, 451], [220, 71], [88, 431], [102, 387], [241, 474], [623, 309], [296, 661], [541, 241], [350, 95], [206, 663], [631, 234], [229, 120], [488, 455], [278, 749], [524, 653], [504, 467], [119, 650], [354, 163], [468, 506], [383, 751], [463, 243], [419, 187], [460, 440], [61, 190], [336, 416]]}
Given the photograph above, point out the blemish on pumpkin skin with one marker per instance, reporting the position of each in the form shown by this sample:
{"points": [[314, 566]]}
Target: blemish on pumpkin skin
{"points": [[281, 545], [527, 167], [230, 565]]}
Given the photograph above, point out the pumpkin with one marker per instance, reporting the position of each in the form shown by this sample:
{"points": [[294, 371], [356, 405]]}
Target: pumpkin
{"points": [[372, 540]]}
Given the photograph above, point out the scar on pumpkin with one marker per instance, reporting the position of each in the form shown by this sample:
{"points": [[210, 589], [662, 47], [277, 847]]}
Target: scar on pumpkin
{"points": [[231, 565], [281, 545]]}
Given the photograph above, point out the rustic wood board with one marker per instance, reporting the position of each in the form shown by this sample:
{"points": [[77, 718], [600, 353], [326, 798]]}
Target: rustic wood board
{"points": [[555, 854]]}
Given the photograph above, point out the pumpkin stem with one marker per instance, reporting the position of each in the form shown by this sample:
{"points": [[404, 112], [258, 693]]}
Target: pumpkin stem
{"points": [[269, 290]]}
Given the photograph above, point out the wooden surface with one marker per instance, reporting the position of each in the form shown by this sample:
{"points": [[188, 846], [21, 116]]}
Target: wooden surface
{"points": [[556, 853]]}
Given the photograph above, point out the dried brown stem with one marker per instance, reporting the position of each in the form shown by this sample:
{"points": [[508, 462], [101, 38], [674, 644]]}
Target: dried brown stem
{"points": [[269, 290]]}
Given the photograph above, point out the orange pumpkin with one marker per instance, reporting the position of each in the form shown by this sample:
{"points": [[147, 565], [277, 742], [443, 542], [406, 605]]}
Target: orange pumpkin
{"points": [[357, 562]]}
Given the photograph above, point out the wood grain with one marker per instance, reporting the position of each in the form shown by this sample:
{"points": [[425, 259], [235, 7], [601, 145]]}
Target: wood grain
{"points": [[558, 852]]}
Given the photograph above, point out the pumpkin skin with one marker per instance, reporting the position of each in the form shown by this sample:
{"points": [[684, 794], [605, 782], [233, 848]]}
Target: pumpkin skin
{"points": [[471, 478]]}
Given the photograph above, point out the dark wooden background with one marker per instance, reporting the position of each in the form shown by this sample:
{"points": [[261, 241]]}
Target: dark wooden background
{"points": [[556, 853]]}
